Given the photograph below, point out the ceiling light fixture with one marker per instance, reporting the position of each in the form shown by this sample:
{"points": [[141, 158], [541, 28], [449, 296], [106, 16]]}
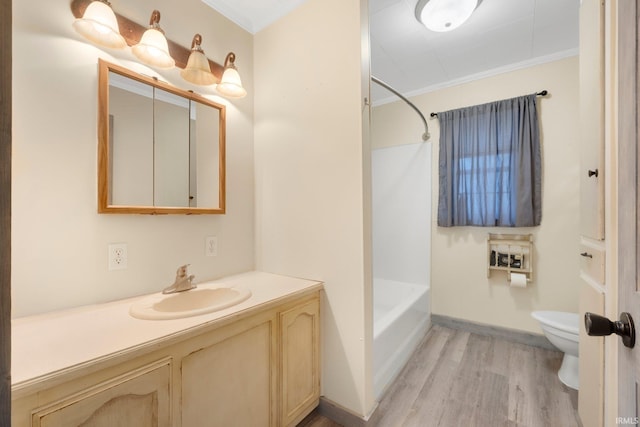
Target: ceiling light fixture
{"points": [[99, 25], [153, 48], [230, 84], [198, 70], [444, 15]]}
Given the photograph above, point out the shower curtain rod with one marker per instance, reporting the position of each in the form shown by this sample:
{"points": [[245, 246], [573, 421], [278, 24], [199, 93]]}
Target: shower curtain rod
{"points": [[425, 135], [541, 93]]}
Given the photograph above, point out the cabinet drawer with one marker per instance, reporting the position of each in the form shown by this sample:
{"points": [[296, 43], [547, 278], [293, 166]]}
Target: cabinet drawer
{"points": [[592, 262]]}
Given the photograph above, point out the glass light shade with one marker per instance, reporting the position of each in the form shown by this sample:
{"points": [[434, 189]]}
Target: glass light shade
{"points": [[153, 49], [99, 25], [445, 15], [230, 85], [198, 70]]}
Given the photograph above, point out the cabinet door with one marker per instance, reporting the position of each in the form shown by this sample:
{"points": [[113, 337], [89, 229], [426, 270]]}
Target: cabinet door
{"points": [[140, 398], [229, 382], [592, 119], [300, 369], [591, 360]]}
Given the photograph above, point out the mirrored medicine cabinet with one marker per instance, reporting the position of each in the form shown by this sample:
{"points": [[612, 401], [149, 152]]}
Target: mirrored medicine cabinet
{"points": [[161, 150]]}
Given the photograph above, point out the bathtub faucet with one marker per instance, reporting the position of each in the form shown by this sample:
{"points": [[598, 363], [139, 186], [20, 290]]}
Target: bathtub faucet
{"points": [[182, 283]]}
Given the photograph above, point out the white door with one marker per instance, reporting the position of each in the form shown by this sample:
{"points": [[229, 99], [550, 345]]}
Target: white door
{"points": [[628, 207], [626, 217]]}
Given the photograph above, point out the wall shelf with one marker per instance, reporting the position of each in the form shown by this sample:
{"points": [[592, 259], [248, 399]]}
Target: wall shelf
{"points": [[512, 253]]}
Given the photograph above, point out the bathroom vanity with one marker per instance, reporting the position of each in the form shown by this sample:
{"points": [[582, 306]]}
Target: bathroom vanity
{"points": [[253, 364]]}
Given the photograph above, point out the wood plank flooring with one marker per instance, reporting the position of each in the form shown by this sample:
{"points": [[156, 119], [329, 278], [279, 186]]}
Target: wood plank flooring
{"points": [[456, 378], [316, 420]]}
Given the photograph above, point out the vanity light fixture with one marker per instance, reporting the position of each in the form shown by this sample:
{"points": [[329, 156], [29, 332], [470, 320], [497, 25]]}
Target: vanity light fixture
{"points": [[153, 48], [99, 25], [198, 70], [444, 15], [230, 84]]}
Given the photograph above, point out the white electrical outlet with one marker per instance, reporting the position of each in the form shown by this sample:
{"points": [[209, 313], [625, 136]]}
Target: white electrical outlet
{"points": [[211, 246], [117, 256]]}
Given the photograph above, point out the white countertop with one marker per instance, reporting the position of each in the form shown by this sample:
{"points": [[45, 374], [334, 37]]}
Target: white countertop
{"points": [[46, 344]]}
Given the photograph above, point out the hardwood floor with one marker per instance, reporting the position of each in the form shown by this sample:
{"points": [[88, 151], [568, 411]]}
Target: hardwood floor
{"points": [[460, 379], [316, 420]]}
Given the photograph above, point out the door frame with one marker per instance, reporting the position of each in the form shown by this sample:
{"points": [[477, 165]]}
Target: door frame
{"points": [[5, 210]]}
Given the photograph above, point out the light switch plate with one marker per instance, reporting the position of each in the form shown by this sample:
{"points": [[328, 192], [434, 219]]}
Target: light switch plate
{"points": [[211, 246]]}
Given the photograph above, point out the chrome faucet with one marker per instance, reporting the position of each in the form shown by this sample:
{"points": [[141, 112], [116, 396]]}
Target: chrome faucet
{"points": [[182, 283]]}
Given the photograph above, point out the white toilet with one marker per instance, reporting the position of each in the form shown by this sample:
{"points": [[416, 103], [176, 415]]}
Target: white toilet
{"points": [[562, 329]]}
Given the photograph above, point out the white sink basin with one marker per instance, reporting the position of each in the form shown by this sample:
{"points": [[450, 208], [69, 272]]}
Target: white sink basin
{"points": [[189, 303]]}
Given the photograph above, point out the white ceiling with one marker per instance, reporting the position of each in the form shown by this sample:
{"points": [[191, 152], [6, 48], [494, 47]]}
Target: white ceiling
{"points": [[254, 15], [501, 35]]}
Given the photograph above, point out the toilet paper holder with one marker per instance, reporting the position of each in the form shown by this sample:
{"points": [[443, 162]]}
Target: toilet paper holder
{"points": [[512, 253]]}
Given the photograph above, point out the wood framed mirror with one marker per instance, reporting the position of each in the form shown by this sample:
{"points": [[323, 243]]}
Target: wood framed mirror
{"points": [[161, 150]]}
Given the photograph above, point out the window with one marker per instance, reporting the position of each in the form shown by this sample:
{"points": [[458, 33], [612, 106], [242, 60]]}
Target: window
{"points": [[490, 165]]}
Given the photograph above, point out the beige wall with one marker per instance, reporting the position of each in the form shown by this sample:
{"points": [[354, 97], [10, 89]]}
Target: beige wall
{"points": [[311, 174], [59, 253], [460, 287]]}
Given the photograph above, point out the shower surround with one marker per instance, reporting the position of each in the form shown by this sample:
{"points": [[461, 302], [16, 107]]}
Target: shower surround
{"points": [[401, 256]]}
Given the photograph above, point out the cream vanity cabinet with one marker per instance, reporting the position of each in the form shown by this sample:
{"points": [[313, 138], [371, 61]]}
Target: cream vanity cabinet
{"points": [[259, 367]]}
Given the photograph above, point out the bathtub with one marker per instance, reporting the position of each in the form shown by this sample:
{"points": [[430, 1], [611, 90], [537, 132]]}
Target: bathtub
{"points": [[401, 318]]}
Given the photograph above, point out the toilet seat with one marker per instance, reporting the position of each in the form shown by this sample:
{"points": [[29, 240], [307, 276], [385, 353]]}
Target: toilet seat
{"points": [[563, 321]]}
